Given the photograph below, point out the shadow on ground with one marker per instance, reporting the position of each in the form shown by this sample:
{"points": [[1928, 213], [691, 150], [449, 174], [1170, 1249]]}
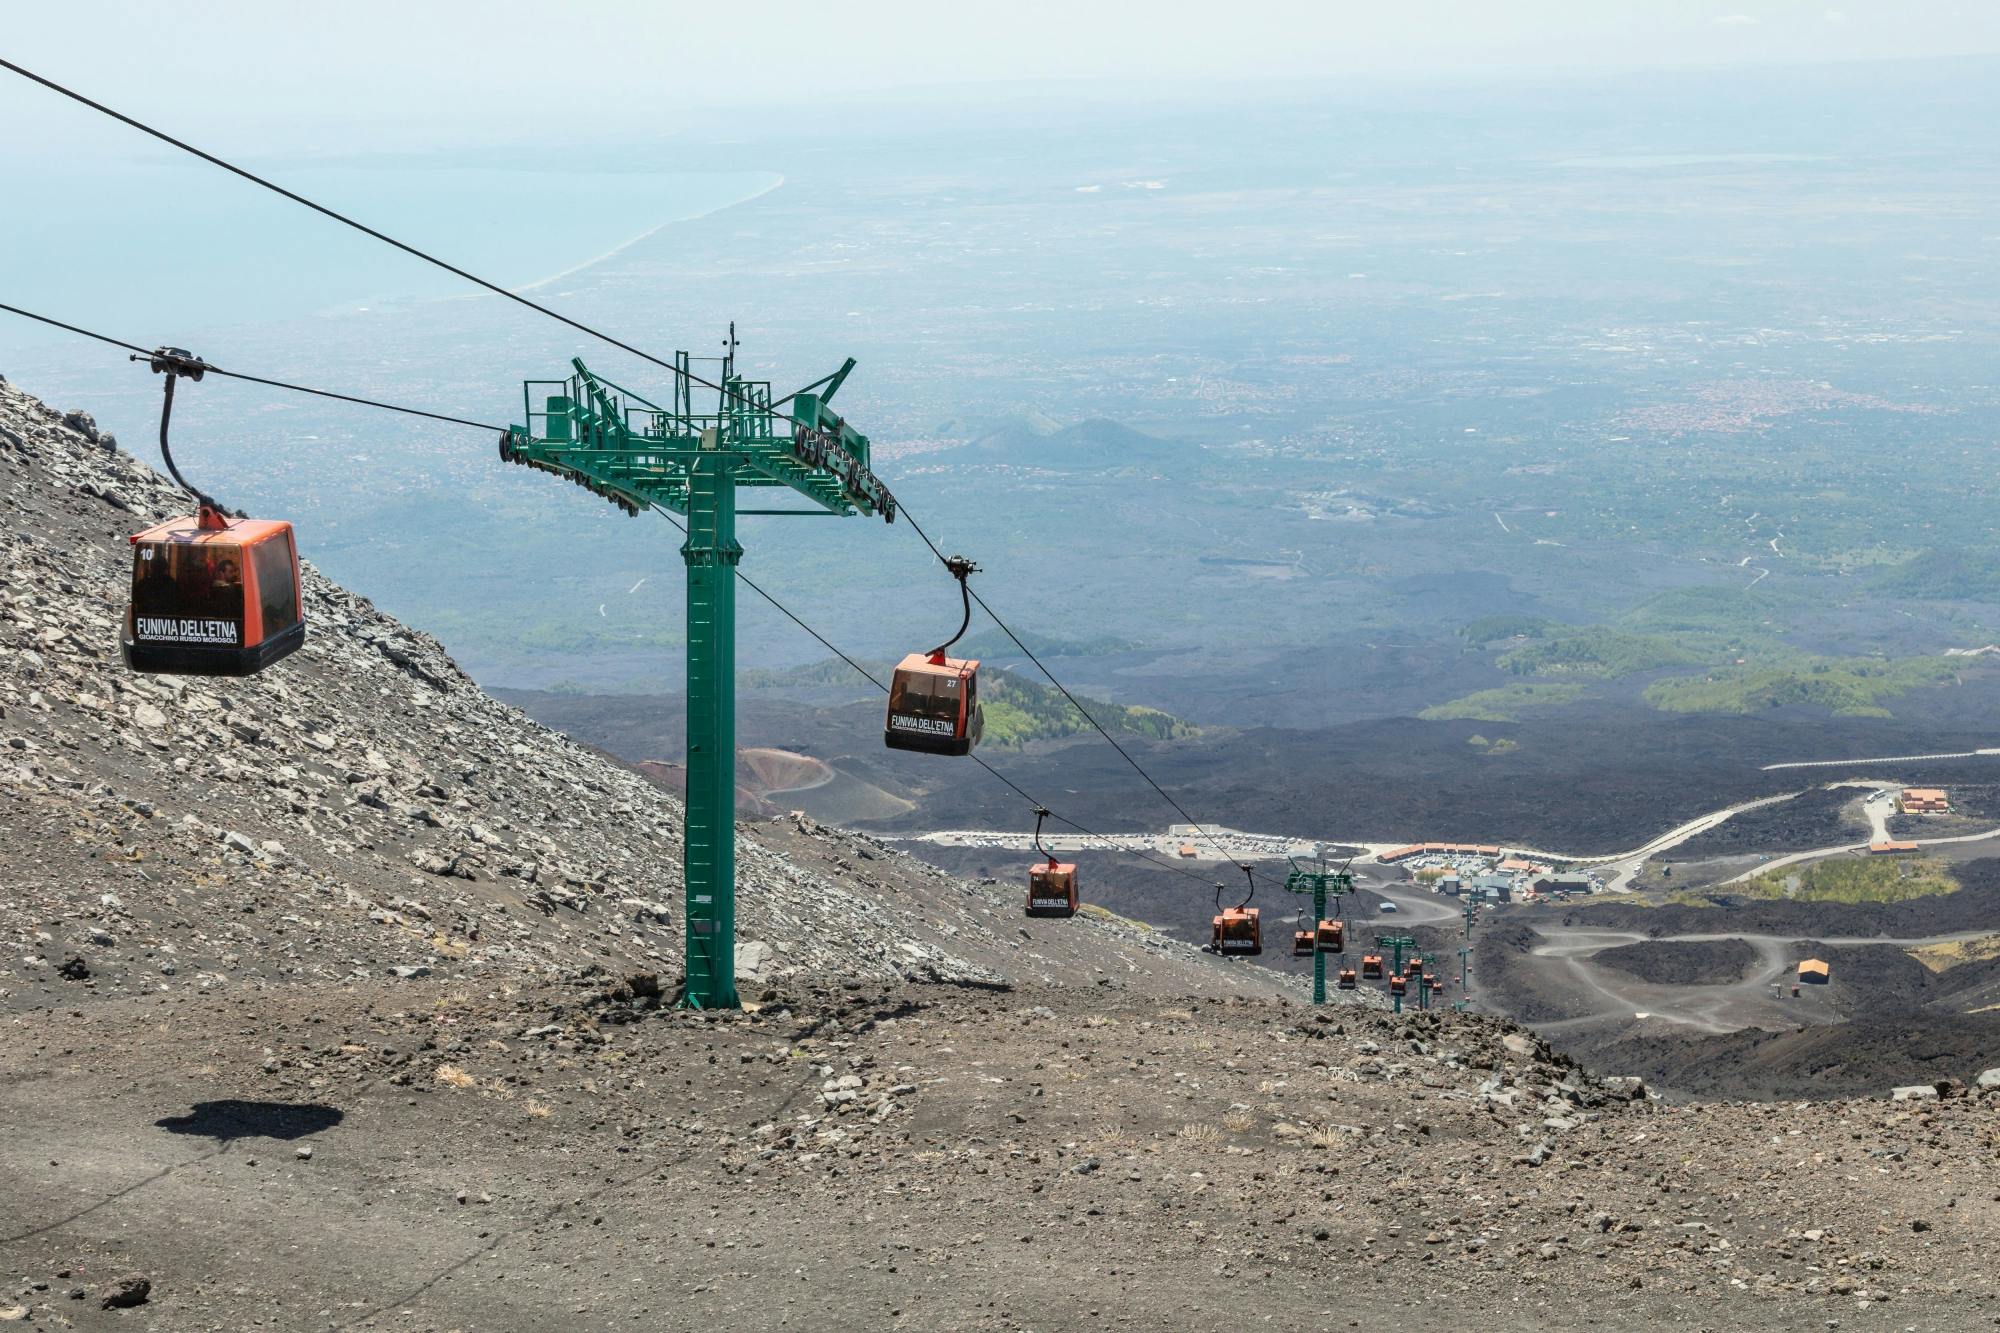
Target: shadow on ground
{"points": [[234, 1119]]}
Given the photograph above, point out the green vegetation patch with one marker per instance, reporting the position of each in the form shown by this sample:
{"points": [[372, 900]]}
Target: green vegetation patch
{"points": [[1848, 687], [1488, 629], [1595, 652], [1850, 879], [1944, 575], [1730, 612], [1505, 703], [1019, 711]]}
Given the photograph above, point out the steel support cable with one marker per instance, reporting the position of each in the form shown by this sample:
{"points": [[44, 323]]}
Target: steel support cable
{"points": [[786, 611], [254, 379], [1074, 702], [367, 230], [872, 679]]}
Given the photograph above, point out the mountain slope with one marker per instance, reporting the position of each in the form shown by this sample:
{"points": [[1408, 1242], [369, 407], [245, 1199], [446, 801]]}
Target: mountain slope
{"points": [[231, 1095], [364, 806]]}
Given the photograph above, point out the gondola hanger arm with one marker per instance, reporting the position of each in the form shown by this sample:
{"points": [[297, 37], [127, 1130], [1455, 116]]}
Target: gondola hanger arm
{"points": [[961, 568]]}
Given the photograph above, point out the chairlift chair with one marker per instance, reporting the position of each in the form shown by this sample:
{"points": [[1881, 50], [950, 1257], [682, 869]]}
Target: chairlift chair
{"points": [[1304, 941], [1238, 930]]}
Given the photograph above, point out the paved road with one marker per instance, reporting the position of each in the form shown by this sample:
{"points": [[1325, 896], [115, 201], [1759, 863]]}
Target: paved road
{"points": [[1618, 868], [1882, 759], [1780, 862]]}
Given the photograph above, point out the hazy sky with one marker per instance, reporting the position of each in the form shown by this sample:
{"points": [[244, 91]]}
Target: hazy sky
{"points": [[417, 71]]}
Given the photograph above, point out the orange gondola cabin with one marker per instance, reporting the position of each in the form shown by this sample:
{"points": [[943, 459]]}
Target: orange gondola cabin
{"points": [[934, 705], [1371, 966], [1398, 986], [213, 596], [1302, 944], [1052, 889], [1238, 930], [1346, 978], [1333, 936]]}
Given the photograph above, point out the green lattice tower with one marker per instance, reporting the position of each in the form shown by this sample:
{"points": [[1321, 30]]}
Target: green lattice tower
{"points": [[1398, 943], [640, 456], [1320, 884]]}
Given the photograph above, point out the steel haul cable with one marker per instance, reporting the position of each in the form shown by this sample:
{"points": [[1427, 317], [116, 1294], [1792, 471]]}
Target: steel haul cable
{"points": [[255, 379], [581, 327], [876, 681], [381, 236], [828, 644], [1126, 755]]}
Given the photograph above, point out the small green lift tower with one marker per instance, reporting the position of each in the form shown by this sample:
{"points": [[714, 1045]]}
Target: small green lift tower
{"points": [[640, 456], [1320, 884]]}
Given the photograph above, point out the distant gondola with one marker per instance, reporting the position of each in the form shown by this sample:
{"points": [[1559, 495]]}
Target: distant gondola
{"points": [[1051, 883]]}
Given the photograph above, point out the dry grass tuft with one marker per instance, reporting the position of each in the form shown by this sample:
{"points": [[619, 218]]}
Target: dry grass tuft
{"points": [[454, 1077]]}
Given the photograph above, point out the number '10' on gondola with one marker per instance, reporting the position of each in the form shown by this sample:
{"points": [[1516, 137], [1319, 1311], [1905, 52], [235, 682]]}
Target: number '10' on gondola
{"points": [[212, 595]]}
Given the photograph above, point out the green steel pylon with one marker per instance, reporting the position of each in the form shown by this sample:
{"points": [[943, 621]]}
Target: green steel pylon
{"points": [[1397, 943], [1319, 883], [639, 456]]}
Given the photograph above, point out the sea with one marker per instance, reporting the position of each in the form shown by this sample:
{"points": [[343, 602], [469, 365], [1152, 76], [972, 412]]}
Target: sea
{"points": [[135, 247]]}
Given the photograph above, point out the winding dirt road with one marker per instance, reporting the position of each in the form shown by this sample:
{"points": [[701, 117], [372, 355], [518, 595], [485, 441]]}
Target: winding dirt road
{"points": [[1727, 1007]]}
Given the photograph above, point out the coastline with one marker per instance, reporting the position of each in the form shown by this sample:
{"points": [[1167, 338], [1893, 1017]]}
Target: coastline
{"points": [[653, 230]]}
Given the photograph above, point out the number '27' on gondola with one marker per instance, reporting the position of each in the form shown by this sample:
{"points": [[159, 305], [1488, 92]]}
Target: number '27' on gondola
{"points": [[934, 705]]}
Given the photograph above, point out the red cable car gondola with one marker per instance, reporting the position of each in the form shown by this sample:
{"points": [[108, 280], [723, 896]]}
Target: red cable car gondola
{"points": [[211, 595], [1346, 978], [1333, 936], [934, 699], [1052, 884], [1238, 929]]}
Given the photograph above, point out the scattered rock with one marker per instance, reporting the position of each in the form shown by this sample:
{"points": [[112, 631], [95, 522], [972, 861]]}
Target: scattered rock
{"points": [[127, 1292]]}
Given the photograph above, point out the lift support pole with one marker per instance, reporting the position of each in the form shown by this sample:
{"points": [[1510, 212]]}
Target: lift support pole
{"points": [[711, 553], [1319, 883], [640, 456]]}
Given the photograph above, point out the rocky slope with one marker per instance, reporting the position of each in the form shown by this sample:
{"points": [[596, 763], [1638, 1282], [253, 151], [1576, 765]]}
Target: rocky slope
{"points": [[341, 998], [364, 808]]}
